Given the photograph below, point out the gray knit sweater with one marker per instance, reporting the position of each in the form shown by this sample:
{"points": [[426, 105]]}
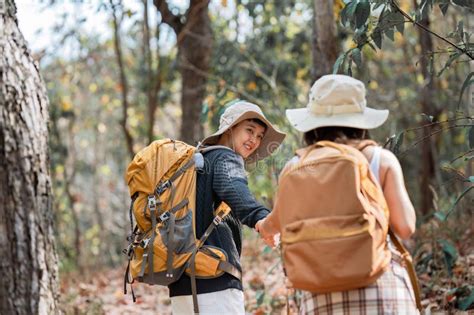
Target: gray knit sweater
{"points": [[222, 179]]}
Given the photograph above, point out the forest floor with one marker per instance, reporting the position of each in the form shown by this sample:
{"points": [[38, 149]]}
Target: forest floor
{"points": [[101, 292]]}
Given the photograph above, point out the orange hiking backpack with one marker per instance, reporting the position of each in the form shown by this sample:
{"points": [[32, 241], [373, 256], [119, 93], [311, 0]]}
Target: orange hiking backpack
{"points": [[334, 220], [163, 245]]}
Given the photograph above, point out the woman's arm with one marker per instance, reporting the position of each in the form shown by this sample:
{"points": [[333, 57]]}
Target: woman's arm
{"points": [[230, 185], [402, 212]]}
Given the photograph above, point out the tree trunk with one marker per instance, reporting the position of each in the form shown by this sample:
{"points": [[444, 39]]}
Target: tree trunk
{"points": [[154, 77], [27, 248], [123, 78], [428, 106], [325, 49], [194, 50]]}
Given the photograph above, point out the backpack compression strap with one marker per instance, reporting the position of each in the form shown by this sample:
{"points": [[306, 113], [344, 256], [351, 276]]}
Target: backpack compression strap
{"points": [[221, 212]]}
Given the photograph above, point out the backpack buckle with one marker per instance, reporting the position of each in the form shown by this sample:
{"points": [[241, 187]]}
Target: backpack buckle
{"points": [[144, 243], [162, 187], [165, 216], [151, 202], [217, 220]]}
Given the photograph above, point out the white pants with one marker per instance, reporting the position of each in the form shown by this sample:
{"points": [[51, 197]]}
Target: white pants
{"points": [[230, 301]]}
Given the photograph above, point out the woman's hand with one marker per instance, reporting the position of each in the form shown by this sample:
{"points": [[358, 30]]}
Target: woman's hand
{"points": [[267, 236]]}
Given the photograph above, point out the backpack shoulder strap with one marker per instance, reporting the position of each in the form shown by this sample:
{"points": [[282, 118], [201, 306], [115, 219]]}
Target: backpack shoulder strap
{"points": [[365, 143], [409, 267], [204, 150]]}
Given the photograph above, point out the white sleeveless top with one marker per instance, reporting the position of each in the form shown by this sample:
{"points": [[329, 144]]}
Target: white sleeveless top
{"points": [[375, 163]]}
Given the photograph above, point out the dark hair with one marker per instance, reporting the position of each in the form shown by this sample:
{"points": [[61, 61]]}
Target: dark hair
{"points": [[259, 122], [335, 134]]}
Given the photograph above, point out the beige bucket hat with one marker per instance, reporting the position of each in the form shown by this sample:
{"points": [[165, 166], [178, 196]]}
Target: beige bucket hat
{"points": [[239, 111], [336, 100]]}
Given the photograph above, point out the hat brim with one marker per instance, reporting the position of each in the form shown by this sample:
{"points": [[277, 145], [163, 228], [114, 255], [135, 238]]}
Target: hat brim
{"points": [[304, 120], [270, 142]]}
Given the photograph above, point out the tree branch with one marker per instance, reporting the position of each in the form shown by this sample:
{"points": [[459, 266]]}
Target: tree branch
{"points": [[464, 51], [168, 17]]}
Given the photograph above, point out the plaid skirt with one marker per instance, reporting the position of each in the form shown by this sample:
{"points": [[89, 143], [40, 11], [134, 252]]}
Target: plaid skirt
{"points": [[392, 293]]}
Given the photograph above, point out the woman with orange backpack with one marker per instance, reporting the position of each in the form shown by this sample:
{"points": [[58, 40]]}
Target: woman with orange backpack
{"points": [[334, 209]]}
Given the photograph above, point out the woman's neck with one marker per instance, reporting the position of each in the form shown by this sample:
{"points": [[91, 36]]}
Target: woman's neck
{"points": [[226, 140]]}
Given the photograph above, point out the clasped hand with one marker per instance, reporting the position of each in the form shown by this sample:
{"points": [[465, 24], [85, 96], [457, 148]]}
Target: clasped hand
{"points": [[270, 239]]}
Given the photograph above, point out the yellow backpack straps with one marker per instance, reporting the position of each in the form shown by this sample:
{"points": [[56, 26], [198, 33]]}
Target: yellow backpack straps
{"points": [[220, 213]]}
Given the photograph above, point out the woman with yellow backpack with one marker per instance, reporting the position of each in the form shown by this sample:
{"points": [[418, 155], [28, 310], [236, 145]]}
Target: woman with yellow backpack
{"points": [[244, 135], [335, 209]]}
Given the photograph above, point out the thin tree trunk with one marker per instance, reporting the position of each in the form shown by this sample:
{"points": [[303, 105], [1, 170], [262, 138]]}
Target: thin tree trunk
{"points": [[428, 106], [325, 49], [29, 282], [69, 177], [194, 50], [153, 84], [123, 78]]}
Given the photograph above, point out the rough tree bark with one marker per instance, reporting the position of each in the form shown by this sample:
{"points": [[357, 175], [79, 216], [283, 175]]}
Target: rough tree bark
{"points": [[194, 50], [325, 49], [29, 281]]}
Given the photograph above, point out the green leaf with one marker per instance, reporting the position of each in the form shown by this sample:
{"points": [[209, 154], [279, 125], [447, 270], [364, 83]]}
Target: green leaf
{"points": [[378, 4], [444, 7], [471, 137], [448, 63], [337, 64], [390, 33], [464, 3], [377, 37], [399, 21], [465, 302], [466, 83], [457, 200], [259, 296], [351, 9], [450, 255], [471, 179], [267, 250], [440, 216], [362, 13], [398, 143], [357, 57]]}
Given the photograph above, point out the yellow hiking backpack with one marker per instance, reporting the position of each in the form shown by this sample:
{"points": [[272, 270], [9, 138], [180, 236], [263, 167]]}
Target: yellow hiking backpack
{"points": [[163, 244]]}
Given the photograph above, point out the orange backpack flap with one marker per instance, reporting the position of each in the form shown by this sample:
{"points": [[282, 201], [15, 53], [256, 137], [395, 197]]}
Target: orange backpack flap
{"points": [[333, 229]]}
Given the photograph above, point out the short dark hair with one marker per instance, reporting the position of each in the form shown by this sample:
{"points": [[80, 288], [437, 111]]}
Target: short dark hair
{"points": [[258, 122], [335, 134]]}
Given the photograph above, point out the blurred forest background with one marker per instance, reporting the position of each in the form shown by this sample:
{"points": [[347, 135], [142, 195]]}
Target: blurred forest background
{"points": [[159, 69]]}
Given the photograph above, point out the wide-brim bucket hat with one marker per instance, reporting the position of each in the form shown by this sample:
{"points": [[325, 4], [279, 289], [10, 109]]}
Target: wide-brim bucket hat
{"points": [[339, 101], [239, 111]]}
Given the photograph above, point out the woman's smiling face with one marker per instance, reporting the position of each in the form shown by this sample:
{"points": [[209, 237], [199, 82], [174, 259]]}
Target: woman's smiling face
{"points": [[247, 136]]}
